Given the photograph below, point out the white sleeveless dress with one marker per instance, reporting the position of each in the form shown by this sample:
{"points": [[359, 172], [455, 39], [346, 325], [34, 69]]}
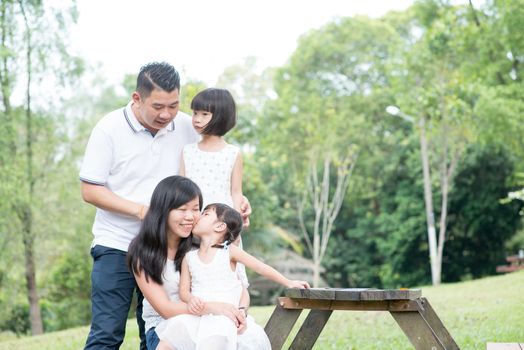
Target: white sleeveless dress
{"points": [[213, 281], [211, 171]]}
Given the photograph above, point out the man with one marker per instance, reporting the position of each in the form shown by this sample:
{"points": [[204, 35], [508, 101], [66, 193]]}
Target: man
{"points": [[129, 151]]}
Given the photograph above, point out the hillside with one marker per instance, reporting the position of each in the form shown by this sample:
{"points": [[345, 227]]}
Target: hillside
{"points": [[475, 312]]}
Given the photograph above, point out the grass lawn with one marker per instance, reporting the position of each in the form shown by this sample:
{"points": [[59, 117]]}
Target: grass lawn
{"points": [[474, 312]]}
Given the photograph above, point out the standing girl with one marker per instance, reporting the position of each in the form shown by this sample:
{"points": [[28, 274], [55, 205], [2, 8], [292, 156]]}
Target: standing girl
{"points": [[208, 275], [212, 163], [155, 257]]}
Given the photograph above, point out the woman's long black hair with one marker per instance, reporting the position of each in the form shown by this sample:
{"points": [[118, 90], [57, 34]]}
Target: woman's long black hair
{"points": [[148, 250]]}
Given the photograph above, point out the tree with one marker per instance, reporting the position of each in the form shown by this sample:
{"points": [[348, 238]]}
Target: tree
{"points": [[434, 88], [27, 54], [322, 118], [480, 221], [325, 209]]}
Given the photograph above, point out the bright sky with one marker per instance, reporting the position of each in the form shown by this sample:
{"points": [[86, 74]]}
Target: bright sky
{"points": [[202, 37]]}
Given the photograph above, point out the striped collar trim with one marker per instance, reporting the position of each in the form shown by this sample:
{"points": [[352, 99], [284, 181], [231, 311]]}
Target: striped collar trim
{"points": [[135, 125]]}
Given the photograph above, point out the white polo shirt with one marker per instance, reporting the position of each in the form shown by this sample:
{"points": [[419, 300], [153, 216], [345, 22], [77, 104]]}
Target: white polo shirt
{"points": [[125, 157]]}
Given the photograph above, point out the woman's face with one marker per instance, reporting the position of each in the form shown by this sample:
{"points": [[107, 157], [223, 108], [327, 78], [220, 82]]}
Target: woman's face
{"points": [[182, 219]]}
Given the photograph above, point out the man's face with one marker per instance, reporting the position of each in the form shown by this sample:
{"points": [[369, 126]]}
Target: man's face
{"points": [[157, 110]]}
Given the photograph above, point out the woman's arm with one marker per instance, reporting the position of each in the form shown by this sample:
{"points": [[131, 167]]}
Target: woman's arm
{"points": [[236, 183], [158, 298], [265, 270]]}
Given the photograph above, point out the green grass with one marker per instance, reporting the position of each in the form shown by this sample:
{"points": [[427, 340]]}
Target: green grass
{"points": [[474, 312]]}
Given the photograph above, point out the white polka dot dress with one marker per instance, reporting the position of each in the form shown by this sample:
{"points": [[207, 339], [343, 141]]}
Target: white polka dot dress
{"points": [[211, 171]]}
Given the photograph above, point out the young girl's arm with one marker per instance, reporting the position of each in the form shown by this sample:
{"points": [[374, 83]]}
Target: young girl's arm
{"points": [[236, 182], [244, 300], [182, 169], [194, 305], [265, 270]]}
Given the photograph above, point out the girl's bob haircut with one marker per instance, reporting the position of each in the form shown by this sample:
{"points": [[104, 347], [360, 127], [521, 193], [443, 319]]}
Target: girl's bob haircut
{"points": [[221, 104]]}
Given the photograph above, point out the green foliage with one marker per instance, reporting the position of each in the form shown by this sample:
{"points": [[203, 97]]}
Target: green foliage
{"points": [[15, 318], [67, 302], [458, 66], [188, 91], [479, 223]]}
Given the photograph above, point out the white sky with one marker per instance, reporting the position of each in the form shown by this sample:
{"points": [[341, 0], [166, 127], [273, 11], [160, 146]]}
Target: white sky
{"points": [[202, 37]]}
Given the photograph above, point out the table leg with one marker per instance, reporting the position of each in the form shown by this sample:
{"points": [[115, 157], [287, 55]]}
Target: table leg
{"points": [[417, 329], [280, 324], [436, 325], [310, 329]]}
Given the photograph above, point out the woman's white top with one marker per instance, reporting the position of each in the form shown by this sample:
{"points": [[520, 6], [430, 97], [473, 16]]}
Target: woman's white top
{"points": [[171, 280]]}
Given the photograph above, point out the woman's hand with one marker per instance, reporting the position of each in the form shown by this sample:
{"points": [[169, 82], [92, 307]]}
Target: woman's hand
{"points": [[229, 310], [298, 284], [195, 305]]}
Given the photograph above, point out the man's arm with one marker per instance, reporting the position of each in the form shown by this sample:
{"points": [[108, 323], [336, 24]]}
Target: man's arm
{"points": [[103, 198]]}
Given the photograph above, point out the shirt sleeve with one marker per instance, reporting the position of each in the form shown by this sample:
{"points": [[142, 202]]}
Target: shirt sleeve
{"points": [[96, 165]]}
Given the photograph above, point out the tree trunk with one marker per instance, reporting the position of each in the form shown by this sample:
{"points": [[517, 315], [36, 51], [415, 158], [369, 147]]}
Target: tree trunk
{"points": [[27, 221], [30, 272], [316, 274], [428, 199], [325, 210]]}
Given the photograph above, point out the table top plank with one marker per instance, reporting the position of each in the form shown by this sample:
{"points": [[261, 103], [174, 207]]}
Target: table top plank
{"points": [[353, 294]]}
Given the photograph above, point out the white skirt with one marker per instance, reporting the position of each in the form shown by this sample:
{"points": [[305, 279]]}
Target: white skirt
{"points": [[190, 332]]}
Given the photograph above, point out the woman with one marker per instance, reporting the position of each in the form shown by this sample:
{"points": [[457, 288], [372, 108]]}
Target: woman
{"points": [[155, 257]]}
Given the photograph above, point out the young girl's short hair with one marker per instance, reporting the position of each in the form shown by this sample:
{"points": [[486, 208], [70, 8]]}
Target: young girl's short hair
{"points": [[231, 218], [221, 104]]}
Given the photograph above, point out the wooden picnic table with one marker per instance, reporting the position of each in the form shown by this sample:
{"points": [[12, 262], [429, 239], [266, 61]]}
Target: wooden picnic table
{"points": [[515, 262], [413, 314]]}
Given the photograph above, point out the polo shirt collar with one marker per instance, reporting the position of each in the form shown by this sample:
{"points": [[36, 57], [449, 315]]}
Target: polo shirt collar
{"points": [[135, 125]]}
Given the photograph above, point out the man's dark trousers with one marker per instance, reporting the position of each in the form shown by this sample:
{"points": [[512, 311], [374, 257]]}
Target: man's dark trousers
{"points": [[112, 287]]}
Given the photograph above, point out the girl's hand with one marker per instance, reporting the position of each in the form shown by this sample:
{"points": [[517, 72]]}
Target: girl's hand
{"points": [[245, 211], [298, 284], [241, 328], [195, 305]]}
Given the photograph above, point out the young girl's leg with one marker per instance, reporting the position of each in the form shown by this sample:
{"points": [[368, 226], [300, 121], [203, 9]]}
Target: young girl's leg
{"points": [[215, 342]]}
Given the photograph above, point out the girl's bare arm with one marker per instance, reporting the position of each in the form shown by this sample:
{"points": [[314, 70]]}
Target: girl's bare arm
{"points": [[263, 269]]}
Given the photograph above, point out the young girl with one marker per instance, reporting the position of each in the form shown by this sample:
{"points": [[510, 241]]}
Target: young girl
{"points": [[208, 275], [155, 257], [212, 163]]}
